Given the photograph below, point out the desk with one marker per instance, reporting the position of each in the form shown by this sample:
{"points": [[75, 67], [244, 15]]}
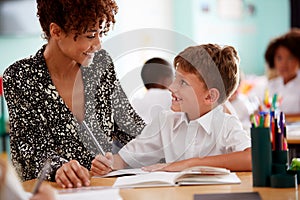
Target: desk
{"points": [[187, 192], [292, 118], [293, 139]]}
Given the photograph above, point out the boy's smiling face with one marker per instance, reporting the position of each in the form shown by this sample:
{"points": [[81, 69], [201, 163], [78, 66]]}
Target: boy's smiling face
{"points": [[189, 95]]}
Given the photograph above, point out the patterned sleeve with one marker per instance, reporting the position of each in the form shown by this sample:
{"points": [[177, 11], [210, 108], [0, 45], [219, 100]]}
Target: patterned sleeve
{"points": [[127, 123], [29, 141]]}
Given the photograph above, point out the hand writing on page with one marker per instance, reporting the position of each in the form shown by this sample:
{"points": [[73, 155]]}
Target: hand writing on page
{"points": [[102, 165], [72, 174]]}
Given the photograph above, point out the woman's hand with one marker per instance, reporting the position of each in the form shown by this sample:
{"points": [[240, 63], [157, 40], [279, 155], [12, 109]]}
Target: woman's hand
{"points": [[72, 174], [102, 165]]}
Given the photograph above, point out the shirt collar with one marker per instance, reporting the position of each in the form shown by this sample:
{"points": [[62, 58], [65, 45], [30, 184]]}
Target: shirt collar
{"points": [[206, 120]]}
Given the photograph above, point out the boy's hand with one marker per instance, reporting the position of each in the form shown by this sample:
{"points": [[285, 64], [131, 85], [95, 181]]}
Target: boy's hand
{"points": [[155, 167], [102, 165], [72, 174], [168, 167]]}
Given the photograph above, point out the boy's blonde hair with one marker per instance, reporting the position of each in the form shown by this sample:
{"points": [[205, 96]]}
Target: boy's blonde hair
{"points": [[217, 67]]}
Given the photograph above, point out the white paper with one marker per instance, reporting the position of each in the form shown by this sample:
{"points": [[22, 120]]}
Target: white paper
{"points": [[107, 194]]}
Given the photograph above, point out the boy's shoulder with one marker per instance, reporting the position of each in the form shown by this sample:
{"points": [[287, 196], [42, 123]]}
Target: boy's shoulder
{"points": [[172, 117]]}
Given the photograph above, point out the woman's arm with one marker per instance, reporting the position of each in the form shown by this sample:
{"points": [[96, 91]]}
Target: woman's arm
{"points": [[127, 123], [31, 140]]}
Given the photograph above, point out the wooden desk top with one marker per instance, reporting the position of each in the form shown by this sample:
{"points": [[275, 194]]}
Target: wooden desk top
{"points": [[187, 192], [294, 139], [293, 133]]}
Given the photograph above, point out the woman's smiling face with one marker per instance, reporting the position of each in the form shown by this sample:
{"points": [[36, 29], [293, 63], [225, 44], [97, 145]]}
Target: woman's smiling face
{"points": [[83, 48]]}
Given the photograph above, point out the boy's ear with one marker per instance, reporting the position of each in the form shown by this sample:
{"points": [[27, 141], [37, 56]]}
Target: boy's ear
{"points": [[213, 95], [55, 30]]}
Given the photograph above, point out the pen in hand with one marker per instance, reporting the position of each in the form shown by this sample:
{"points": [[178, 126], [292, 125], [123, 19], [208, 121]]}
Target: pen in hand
{"points": [[93, 137], [42, 176], [95, 140]]}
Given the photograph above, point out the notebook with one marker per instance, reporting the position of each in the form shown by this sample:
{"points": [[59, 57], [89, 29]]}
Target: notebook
{"points": [[193, 176]]}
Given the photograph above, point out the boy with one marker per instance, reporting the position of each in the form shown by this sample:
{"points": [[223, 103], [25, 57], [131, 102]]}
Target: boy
{"points": [[198, 132]]}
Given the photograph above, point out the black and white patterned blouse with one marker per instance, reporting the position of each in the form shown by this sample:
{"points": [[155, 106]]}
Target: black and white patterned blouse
{"points": [[42, 126]]}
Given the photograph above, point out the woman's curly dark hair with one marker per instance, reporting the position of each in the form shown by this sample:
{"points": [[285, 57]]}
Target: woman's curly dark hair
{"points": [[290, 40], [76, 15]]}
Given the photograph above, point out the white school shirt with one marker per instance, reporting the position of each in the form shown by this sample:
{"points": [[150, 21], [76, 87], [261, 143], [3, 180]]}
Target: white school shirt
{"points": [[173, 137], [290, 93]]}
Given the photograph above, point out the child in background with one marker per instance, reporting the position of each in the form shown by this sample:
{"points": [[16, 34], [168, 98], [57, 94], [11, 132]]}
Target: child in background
{"points": [[283, 55], [157, 74], [10, 186], [240, 106], [198, 132]]}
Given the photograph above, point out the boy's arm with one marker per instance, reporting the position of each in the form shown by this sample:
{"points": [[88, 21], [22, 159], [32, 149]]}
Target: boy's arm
{"points": [[236, 161], [119, 163], [102, 165]]}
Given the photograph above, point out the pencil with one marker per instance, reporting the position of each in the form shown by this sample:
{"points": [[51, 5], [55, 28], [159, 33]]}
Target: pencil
{"points": [[42, 176], [95, 142], [94, 139]]}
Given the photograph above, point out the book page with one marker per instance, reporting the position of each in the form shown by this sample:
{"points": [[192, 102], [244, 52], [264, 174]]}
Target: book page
{"points": [[196, 179], [151, 179], [154, 179], [124, 172]]}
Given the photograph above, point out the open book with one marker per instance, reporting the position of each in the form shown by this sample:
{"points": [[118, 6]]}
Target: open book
{"points": [[193, 176], [124, 172]]}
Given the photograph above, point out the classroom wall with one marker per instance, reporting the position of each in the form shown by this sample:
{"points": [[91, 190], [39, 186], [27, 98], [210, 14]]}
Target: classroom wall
{"points": [[159, 28], [247, 25], [198, 20]]}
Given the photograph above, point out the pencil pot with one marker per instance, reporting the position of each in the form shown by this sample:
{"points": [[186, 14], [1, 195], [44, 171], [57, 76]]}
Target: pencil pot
{"points": [[261, 156], [280, 161]]}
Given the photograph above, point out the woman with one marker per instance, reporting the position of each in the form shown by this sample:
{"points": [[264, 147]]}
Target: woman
{"points": [[283, 55], [68, 81]]}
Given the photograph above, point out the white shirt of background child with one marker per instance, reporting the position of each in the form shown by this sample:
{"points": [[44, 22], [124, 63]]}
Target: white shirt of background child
{"points": [[290, 93]]}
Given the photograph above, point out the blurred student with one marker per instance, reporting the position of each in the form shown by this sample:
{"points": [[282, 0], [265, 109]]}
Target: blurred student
{"points": [[283, 55], [157, 74], [198, 132], [240, 106], [11, 188]]}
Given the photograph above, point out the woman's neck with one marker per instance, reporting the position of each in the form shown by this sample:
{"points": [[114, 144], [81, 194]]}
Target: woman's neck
{"points": [[59, 66]]}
